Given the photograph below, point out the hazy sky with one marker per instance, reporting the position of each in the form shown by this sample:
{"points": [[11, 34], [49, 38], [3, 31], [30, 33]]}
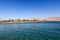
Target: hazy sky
{"points": [[29, 8]]}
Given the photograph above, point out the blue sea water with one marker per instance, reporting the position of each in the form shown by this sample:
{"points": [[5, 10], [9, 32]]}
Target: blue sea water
{"points": [[30, 31]]}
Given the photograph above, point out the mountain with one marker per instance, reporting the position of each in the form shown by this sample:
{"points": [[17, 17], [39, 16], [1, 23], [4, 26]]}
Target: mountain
{"points": [[53, 19]]}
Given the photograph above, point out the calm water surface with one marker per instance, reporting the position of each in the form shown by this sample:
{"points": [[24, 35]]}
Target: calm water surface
{"points": [[30, 31]]}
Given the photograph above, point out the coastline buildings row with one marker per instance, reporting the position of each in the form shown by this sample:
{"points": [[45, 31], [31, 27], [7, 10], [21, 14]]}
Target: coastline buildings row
{"points": [[20, 20]]}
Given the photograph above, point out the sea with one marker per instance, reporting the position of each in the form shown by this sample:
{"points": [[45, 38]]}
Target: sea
{"points": [[30, 31]]}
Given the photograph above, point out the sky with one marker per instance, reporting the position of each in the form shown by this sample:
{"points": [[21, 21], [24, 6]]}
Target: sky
{"points": [[29, 8]]}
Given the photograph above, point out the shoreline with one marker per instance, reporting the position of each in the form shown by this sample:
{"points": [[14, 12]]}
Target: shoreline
{"points": [[28, 22]]}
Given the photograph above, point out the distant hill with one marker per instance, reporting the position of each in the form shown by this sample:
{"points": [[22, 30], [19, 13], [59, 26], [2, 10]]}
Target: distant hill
{"points": [[53, 19]]}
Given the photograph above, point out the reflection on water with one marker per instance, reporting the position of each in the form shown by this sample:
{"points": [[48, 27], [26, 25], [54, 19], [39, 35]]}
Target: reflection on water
{"points": [[30, 31]]}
